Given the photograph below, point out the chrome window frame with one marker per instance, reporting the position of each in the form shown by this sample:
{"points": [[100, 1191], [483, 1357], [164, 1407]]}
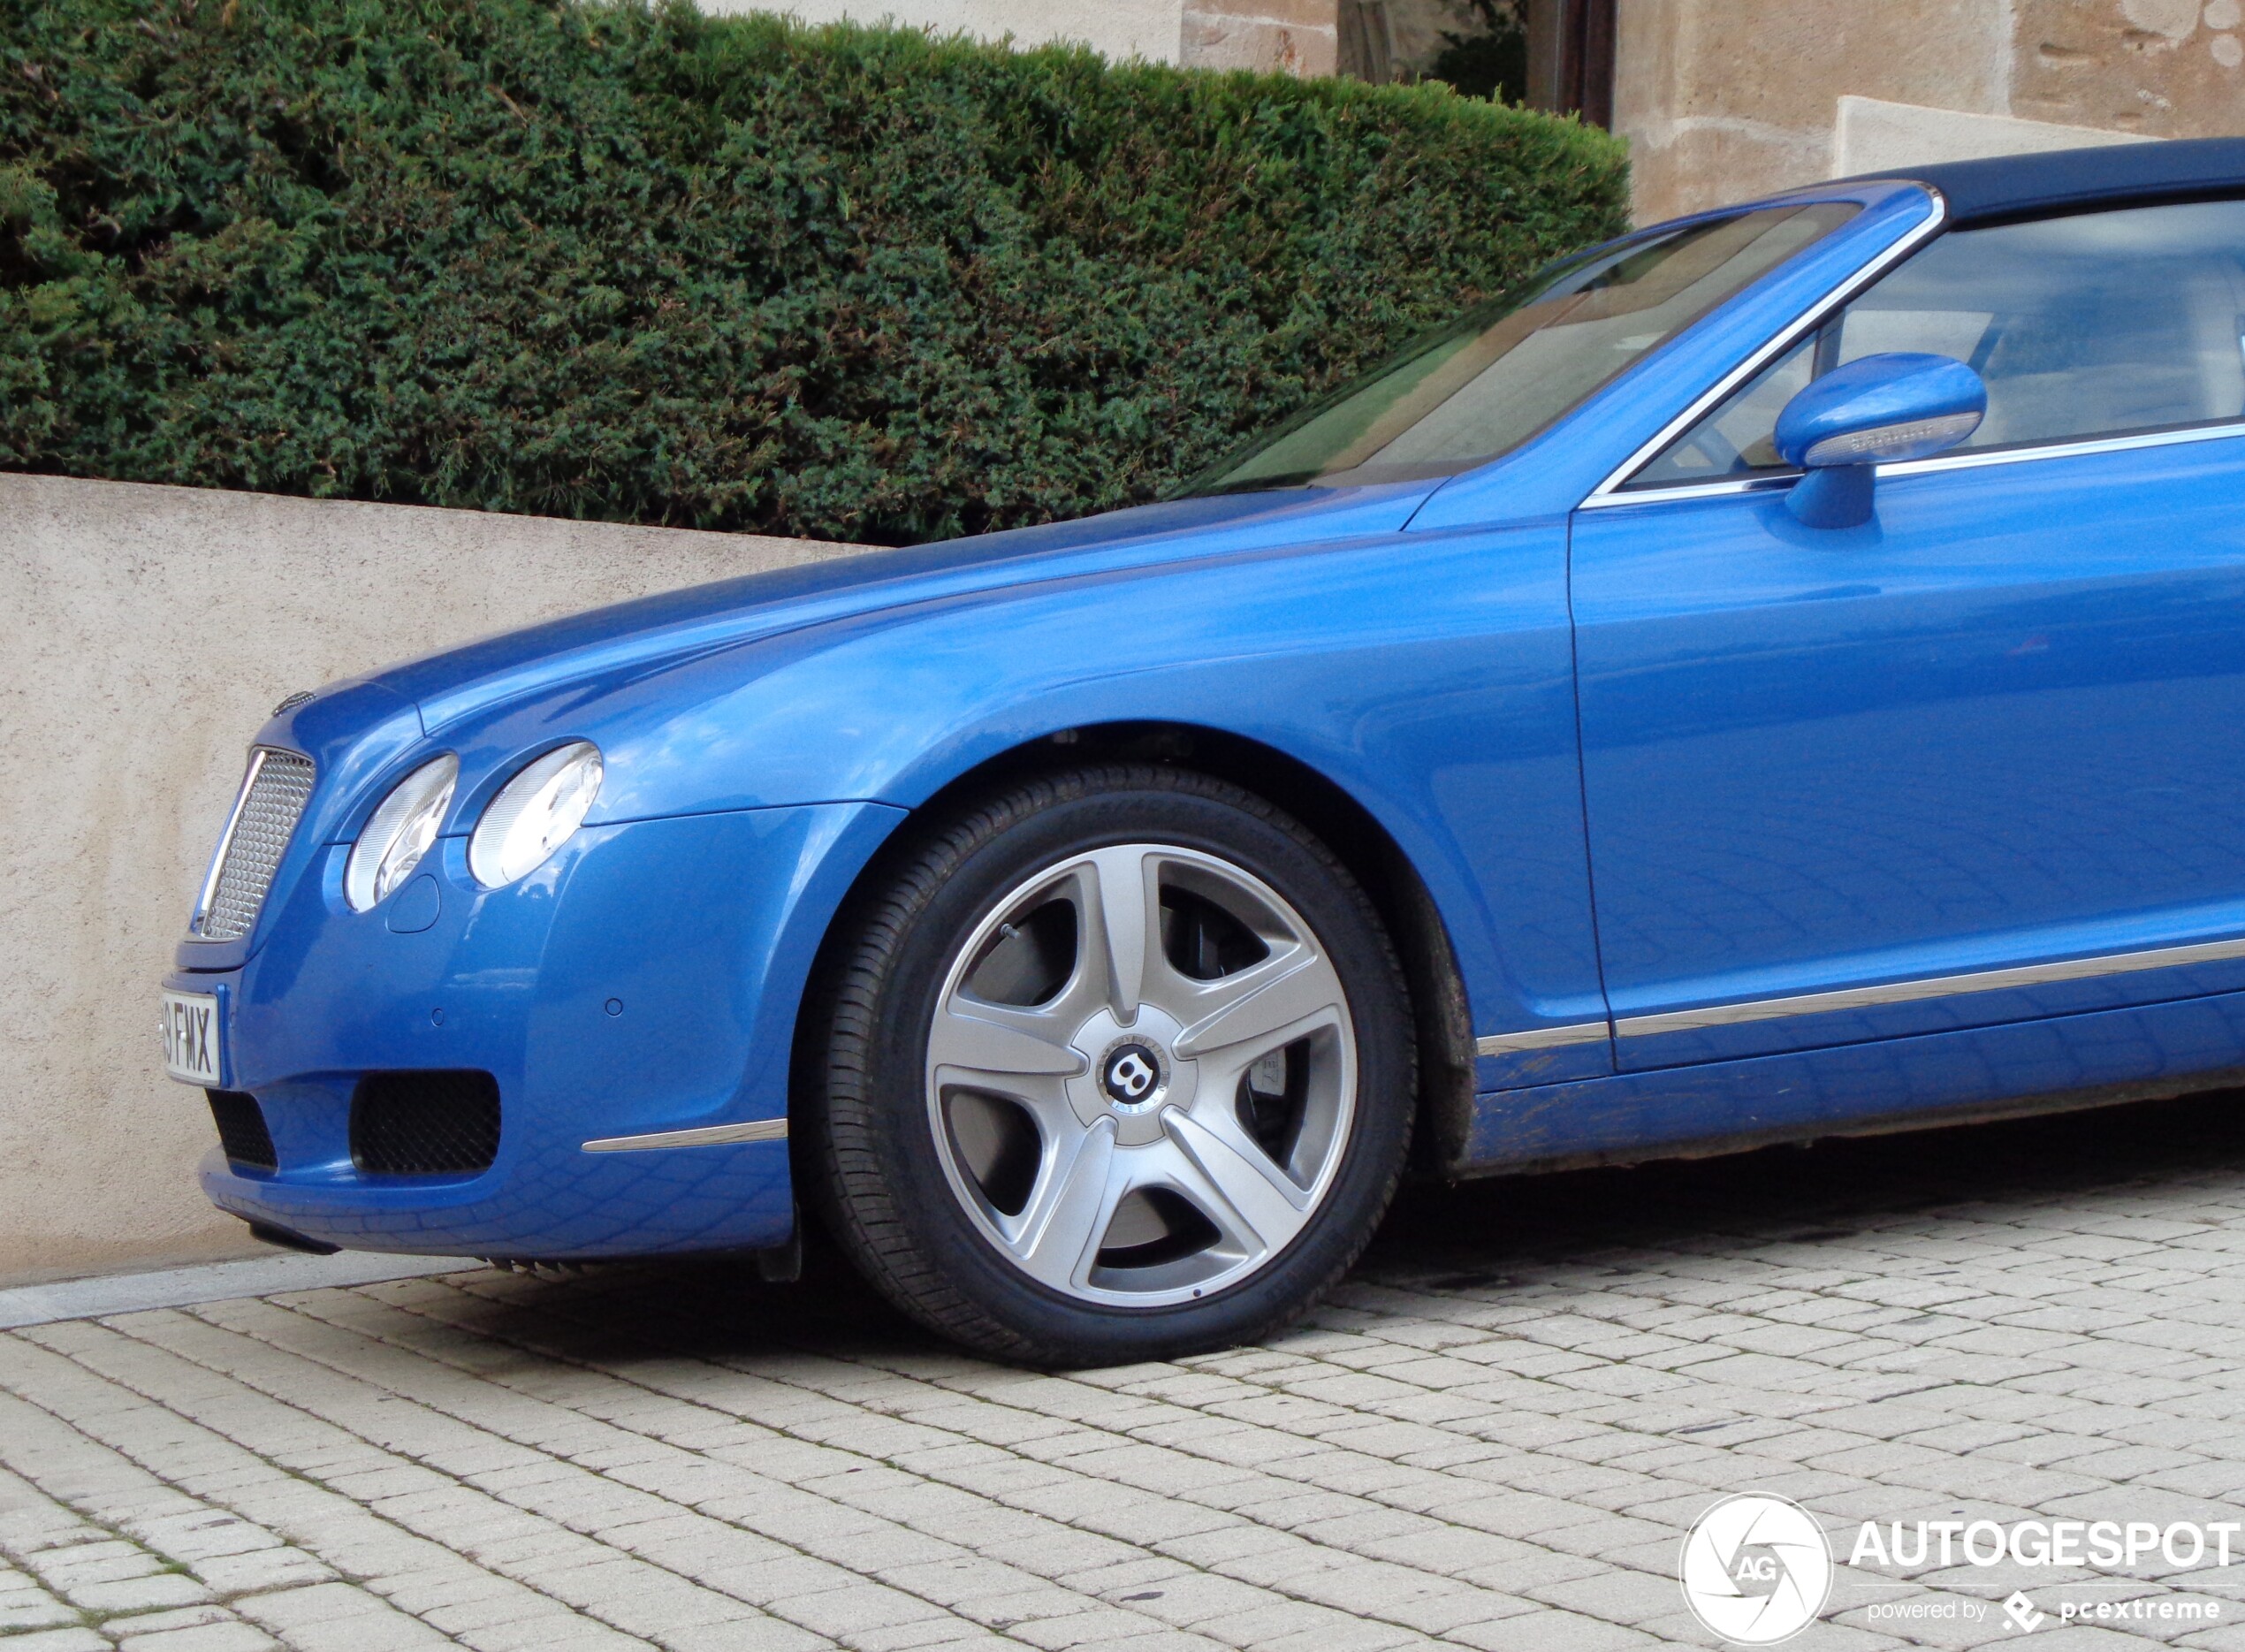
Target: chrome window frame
{"points": [[1608, 493], [2067, 449], [1612, 491]]}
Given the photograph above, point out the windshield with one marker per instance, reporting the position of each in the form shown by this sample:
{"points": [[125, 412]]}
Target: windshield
{"points": [[1488, 381]]}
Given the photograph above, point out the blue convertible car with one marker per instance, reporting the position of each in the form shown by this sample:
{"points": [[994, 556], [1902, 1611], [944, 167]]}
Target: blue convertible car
{"points": [[1783, 675]]}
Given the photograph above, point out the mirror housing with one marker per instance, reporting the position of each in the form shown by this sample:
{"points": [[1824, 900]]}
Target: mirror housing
{"points": [[1896, 406]]}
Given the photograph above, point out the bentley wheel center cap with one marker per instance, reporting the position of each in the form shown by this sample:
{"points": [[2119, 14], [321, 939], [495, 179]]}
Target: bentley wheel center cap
{"points": [[1133, 1074]]}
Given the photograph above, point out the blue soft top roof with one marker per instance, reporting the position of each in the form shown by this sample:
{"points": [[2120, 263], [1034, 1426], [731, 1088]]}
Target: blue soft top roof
{"points": [[2014, 186]]}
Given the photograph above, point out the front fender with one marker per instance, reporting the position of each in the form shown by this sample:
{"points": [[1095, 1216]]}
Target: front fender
{"points": [[1428, 675]]}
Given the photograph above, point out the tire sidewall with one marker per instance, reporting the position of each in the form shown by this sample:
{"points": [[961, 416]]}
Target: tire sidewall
{"points": [[1063, 1327]]}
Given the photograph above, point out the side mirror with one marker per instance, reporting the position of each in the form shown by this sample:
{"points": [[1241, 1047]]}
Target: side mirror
{"points": [[1901, 405]]}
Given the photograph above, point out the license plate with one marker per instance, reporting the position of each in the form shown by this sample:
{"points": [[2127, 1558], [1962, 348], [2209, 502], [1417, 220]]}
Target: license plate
{"points": [[191, 1037]]}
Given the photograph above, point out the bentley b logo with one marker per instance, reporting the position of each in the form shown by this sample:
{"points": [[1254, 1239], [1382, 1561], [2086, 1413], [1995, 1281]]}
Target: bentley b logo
{"points": [[1131, 1073]]}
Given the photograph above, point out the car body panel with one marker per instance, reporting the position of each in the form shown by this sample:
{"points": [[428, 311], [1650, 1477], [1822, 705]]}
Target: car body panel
{"points": [[700, 932], [630, 637], [1443, 660], [2001, 725], [2088, 1059], [1446, 656]]}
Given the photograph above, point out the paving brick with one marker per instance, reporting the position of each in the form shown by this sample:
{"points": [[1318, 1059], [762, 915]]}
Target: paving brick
{"points": [[229, 1635], [136, 1595], [59, 1640]]}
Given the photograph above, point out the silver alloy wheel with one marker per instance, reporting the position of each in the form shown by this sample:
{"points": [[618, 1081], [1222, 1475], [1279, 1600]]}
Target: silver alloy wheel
{"points": [[1141, 1074]]}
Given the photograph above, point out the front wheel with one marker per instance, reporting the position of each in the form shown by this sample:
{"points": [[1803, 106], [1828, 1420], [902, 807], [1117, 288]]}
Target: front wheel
{"points": [[1119, 1067]]}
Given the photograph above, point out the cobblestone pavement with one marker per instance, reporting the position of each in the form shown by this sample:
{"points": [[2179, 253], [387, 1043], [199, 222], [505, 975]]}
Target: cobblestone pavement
{"points": [[1493, 1436]]}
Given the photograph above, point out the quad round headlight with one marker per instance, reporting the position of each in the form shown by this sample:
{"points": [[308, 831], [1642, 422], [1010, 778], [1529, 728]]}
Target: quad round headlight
{"points": [[399, 832], [534, 814]]}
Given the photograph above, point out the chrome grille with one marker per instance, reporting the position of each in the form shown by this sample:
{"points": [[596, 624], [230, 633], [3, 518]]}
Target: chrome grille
{"points": [[272, 797]]}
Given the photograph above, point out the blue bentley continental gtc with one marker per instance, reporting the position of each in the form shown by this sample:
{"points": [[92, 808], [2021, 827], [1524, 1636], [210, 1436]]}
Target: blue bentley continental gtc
{"points": [[1783, 675]]}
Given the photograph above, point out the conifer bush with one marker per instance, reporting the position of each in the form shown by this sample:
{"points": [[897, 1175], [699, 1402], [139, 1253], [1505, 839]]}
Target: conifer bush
{"points": [[641, 264]]}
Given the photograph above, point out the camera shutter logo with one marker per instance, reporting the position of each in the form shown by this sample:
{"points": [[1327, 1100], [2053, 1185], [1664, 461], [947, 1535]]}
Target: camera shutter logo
{"points": [[1756, 1569]]}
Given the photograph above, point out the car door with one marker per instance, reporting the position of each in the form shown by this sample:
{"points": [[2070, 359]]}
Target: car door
{"points": [[1983, 759]]}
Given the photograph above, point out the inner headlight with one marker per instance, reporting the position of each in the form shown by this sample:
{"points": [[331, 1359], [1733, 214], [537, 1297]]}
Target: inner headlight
{"points": [[534, 814], [400, 833]]}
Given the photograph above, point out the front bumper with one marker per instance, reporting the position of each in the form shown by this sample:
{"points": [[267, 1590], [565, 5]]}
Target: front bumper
{"points": [[642, 981]]}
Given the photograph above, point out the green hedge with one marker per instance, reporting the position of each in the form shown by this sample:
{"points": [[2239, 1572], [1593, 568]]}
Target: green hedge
{"points": [[645, 265]]}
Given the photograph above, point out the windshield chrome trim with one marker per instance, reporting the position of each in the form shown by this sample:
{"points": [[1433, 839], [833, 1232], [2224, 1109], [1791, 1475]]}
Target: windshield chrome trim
{"points": [[1807, 322]]}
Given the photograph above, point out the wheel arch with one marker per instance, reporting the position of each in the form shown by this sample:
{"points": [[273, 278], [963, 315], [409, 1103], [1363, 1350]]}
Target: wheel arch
{"points": [[1443, 1019]]}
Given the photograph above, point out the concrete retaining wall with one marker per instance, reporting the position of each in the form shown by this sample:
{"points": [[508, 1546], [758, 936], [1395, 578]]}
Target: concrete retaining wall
{"points": [[147, 634], [1292, 36], [1114, 28]]}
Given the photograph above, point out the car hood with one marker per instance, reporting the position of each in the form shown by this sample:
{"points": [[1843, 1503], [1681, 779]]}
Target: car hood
{"points": [[675, 626]]}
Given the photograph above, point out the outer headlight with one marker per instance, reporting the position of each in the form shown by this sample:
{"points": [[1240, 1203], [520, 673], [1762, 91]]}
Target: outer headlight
{"points": [[534, 814], [399, 832]]}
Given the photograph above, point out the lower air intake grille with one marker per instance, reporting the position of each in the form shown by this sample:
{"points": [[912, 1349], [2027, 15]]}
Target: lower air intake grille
{"points": [[241, 1130], [273, 795], [435, 1123]]}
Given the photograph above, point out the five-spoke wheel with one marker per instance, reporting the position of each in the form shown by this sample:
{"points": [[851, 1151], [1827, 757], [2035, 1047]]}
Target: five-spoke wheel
{"points": [[1141, 1073], [1120, 1066]]}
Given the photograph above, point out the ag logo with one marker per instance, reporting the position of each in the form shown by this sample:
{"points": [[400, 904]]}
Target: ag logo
{"points": [[1756, 1569], [1131, 1073]]}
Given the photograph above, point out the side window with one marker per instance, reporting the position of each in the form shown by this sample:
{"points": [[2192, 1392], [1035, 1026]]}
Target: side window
{"points": [[2102, 323]]}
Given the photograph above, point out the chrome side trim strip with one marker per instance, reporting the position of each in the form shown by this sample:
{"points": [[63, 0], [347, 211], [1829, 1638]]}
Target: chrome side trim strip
{"points": [[1807, 321], [1930, 987], [1540, 1039], [708, 1136]]}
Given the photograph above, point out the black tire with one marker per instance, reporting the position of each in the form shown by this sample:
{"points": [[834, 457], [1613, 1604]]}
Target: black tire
{"points": [[868, 1149]]}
